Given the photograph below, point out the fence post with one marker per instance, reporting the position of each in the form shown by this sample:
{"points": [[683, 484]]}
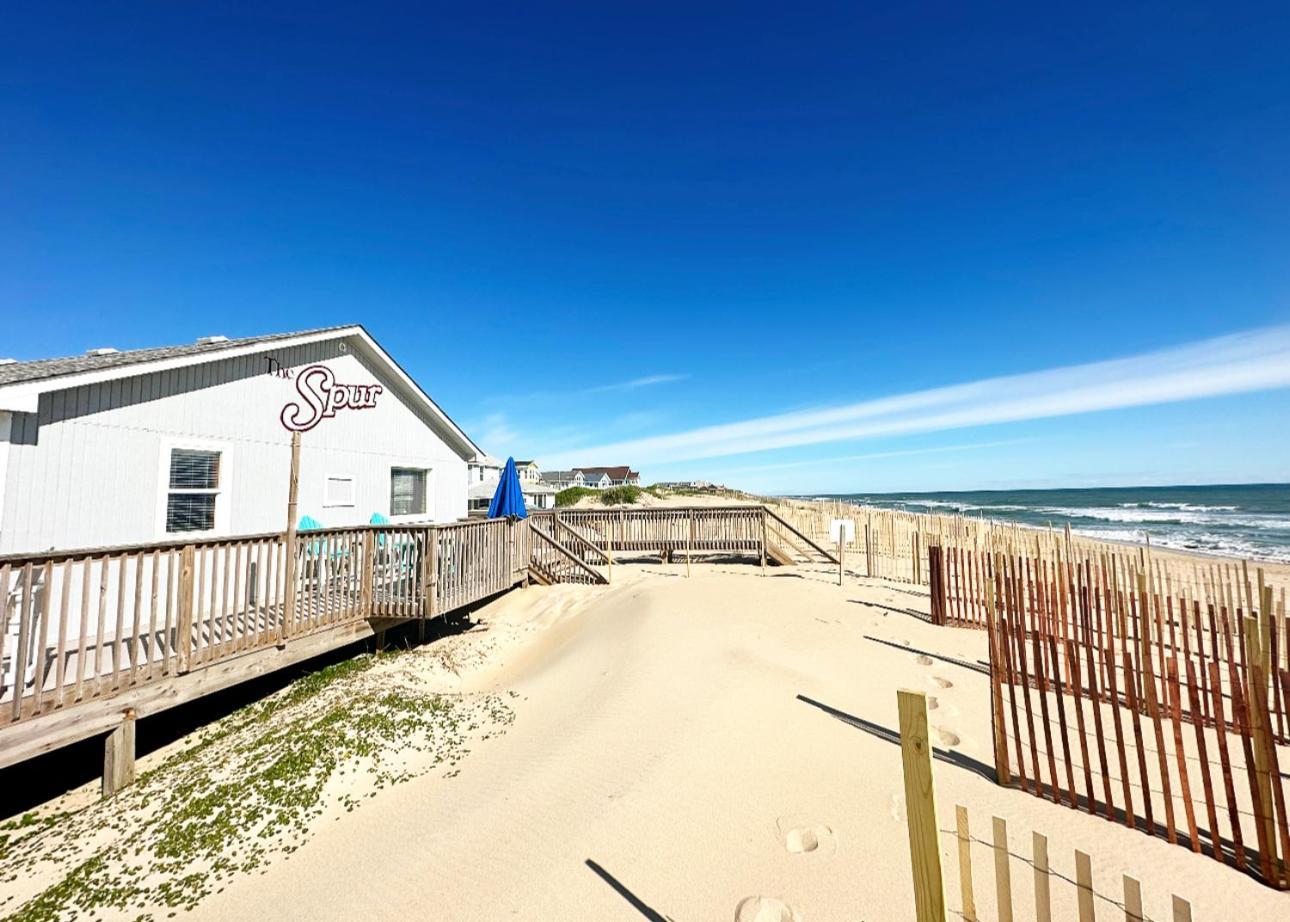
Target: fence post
{"points": [[920, 807], [293, 494], [935, 579]]}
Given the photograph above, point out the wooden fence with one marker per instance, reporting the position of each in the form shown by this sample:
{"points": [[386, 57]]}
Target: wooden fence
{"points": [[1075, 897], [1171, 709]]}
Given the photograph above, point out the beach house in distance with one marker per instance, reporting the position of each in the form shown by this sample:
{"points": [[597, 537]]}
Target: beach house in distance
{"points": [[595, 478], [194, 441]]}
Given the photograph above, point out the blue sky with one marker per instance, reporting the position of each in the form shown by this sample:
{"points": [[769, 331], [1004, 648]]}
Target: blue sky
{"points": [[674, 217]]}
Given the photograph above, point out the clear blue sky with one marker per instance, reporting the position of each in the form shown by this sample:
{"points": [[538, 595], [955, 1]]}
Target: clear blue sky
{"points": [[677, 216]]}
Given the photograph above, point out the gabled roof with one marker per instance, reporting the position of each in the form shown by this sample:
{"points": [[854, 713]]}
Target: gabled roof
{"points": [[559, 476], [22, 383], [622, 472]]}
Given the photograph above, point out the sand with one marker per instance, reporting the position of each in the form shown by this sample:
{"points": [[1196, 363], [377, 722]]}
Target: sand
{"points": [[709, 748]]}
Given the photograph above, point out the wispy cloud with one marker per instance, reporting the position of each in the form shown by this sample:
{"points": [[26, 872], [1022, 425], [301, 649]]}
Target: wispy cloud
{"points": [[832, 462], [635, 383], [1239, 363]]}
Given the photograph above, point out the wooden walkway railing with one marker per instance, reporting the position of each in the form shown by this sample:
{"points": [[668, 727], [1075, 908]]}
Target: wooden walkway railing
{"points": [[88, 634]]}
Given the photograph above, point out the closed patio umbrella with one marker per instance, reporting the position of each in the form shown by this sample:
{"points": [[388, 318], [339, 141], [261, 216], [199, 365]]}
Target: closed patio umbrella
{"points": [[508, 501]]}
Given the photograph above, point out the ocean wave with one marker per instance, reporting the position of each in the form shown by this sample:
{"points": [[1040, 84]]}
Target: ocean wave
{"points": [[1193, 507], [1171, 516], [1199, 542]]}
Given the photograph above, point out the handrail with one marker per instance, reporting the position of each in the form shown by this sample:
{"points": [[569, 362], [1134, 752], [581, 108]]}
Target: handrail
{"points": [[570, 556], [778, 518], [578, 539]]}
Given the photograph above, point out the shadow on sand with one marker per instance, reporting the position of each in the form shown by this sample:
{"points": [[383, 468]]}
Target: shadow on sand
{"points": [[636, 902]]}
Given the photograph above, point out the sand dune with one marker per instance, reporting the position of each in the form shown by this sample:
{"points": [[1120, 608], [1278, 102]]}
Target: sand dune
{"points": [[713, 748]]}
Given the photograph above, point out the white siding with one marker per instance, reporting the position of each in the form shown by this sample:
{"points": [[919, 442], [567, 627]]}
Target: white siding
{"points": [[89, 469]]}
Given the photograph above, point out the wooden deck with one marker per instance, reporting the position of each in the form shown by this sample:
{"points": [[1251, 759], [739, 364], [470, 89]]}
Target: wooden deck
{"points": [[90, 638]]}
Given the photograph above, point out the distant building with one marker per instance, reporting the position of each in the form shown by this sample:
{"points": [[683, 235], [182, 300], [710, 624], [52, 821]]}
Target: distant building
{"points": [[602, 478], [484, 467], [529, 471], [537, 495], [563, 480]]}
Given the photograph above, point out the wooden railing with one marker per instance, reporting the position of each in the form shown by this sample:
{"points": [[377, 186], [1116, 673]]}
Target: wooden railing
{"points": [[85, 626]]}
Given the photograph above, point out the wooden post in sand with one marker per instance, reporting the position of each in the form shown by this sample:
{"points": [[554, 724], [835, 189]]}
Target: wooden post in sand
{"points": [[842, 533], [118, 756], [689, 542], [920, 806]]}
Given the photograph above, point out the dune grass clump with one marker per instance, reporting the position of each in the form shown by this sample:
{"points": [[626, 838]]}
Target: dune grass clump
{"points": [[245, 790]]}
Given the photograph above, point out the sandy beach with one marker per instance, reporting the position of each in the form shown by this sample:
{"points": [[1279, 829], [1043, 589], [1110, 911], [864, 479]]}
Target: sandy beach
{"points": [[713, 747]]}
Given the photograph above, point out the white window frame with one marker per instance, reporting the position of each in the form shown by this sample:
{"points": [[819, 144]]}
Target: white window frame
{"points": [[329, 502], [223, 492], [414, 465]]}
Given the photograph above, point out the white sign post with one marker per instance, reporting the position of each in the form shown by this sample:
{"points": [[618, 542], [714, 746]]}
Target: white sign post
{"points": [[843, 532]]}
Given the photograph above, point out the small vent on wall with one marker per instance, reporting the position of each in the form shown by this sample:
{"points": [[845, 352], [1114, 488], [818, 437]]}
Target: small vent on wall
{"points": [[105, 350], [211, 340]]}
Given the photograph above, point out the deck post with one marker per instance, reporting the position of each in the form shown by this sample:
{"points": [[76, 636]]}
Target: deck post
{"points": [[841, 550], [293, 496], [432, 571], [369, 571], [764, 515], [118, 755], [184, 629]]}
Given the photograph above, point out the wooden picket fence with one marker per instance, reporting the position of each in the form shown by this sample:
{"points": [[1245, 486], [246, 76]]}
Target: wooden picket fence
{"points": [[925, 852], [1171, 708]]}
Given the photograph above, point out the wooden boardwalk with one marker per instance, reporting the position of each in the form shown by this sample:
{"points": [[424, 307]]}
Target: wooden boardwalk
{"points": [[93, 638]]}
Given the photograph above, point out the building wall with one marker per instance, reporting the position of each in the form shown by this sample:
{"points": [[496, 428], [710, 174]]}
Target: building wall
{"points": [[91, 466]]}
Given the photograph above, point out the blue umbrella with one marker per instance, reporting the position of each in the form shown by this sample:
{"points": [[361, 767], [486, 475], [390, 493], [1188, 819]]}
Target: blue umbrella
{"points": [[508, 501]]}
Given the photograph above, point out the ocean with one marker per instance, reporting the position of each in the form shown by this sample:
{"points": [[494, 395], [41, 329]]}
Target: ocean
{"points": [[1244, 520]]}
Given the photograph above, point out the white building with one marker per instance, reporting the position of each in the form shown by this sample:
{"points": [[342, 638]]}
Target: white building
{"points": [[194, 440], [484, 467]]}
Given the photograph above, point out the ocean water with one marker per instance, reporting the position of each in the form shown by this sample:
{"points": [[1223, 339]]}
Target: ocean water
{"points": [[1245, 520]]}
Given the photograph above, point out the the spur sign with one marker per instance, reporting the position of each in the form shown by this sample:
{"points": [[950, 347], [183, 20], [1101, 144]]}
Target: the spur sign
{"points": [[322, 397]]}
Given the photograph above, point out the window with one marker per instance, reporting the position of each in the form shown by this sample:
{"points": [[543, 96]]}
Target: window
{"points": [[407, 491], [192, 490], [338, 490]]}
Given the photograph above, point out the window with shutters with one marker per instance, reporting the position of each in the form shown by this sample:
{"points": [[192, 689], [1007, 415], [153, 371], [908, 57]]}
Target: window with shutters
{"points": [[407, 491], [192, 490]]}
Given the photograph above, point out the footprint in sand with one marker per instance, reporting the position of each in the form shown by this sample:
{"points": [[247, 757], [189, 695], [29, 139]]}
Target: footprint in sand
{"points": [[765, 909], [923, 660], [947, 737], [896, 807], [939, 682], [802, 837], [932, 703]]}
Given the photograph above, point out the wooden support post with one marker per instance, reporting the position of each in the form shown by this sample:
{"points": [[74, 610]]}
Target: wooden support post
{"points": [[764, 525], [432, 571], [118, 756], [1182, 910], [293, 496], [689, 543], [841, 551], [920, 807], [966, 892], [184, 628], [369, 571]]}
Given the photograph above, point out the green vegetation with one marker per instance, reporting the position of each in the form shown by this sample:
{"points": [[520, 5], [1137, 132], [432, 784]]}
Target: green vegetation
{"points": [[620, 496], [246, 789], [570, 496]]}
